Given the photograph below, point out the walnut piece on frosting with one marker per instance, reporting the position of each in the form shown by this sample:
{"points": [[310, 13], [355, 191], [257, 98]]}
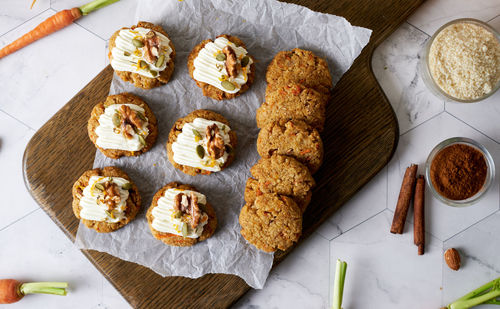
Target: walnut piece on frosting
{"points": [[232, 65], [188, 205], [215, 143]]}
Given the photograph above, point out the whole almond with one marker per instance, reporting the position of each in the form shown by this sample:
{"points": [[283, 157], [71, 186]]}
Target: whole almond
{"points": [[452, 258]]}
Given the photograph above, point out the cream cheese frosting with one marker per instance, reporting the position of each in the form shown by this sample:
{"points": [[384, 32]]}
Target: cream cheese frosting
{"points": [[208, 69], [110, 137], [165, 220], [93, 209], [184, 148], [126, 56]]}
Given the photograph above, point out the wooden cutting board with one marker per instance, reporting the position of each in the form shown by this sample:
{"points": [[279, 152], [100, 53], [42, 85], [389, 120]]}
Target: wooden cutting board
{"points": [[360, 137]]}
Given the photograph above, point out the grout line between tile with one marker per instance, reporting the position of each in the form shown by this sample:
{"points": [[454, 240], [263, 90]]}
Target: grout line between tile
{"points": [[420, 30], [319, 234], [470, 226], [89, 31], [409, 130], [20, 121], [354, 226], [493, 18], [19, 219], [472, 127], [24, 22]]}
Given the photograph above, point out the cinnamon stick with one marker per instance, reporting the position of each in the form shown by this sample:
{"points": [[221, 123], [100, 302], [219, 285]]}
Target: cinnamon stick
{"points": [[405, 196], [419, 215]]}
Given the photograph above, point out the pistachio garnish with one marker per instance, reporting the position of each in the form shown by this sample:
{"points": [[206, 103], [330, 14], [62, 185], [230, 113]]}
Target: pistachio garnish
{"points": [[220, 57], [228, 85], [141, 140], [137, 43], [197, 134], [110, 213], [244, 61], [141, 116], [127, 186], [116, 119], [200, 151], [154, 73], [126, 53], [143, 64], [160, 61], [99, 187], [177, 214], [184, 230]]}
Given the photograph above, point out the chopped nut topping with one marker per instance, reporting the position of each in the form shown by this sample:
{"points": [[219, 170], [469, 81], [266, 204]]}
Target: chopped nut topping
{"points": [[188, 205], [130, 121], [232, 64], [151, 47], [111, 195], [215, 143]]}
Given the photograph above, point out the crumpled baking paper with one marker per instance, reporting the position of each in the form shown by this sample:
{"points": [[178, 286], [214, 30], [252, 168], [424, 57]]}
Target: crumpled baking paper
{"points": [[266, 27]]}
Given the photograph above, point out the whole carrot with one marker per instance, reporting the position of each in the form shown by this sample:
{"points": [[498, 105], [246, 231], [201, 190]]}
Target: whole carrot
{"points": [[52, 24]]}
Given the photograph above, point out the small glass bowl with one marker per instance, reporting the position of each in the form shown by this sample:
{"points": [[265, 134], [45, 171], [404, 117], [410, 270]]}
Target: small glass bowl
{"points": [[490, 176], [425, 70]]}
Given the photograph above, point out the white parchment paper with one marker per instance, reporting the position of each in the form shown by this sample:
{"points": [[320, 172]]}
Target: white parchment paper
{"points": [[266, 27]]}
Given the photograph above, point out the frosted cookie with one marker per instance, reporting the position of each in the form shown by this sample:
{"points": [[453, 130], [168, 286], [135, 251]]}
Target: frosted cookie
{"points": [[271, 222], [201, 143], [293, 101], [292, 138], [142, 55], [105, 199], [181, 216], [221, 68], [285, 176], [123, 125], [299, 66]]}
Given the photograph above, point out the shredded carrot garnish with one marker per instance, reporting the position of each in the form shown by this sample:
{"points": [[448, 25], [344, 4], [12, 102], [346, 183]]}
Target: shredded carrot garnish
{"points": [[305, 151]]}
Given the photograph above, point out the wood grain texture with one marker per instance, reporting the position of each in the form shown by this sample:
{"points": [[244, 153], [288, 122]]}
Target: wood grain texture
{"points": [[360, 137]]}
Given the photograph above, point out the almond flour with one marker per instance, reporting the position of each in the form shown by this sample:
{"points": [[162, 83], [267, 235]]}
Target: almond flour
{"points": [[464, 61]]}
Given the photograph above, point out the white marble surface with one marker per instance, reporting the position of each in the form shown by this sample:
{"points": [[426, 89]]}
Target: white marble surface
{"points": [[384, 270]]}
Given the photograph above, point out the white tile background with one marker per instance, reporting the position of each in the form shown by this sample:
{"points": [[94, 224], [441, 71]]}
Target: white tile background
{"points": [[384, 270]]}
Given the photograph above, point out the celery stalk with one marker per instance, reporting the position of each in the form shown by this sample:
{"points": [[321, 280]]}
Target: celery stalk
{"points": [[338, 284], [486, 294]]}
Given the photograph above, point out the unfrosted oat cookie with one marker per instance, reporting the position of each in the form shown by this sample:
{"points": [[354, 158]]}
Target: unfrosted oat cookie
{"points": [[221, 68], [201, 143], [292, 138], [293, 101], [271, 222], [173, 223], [142, 54], [131, 132], [299, 66], [285, 176], [105, 199]]}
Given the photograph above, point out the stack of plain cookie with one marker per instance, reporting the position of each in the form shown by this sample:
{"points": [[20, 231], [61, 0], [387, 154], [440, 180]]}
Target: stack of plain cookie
{"points": [[277, 194]]}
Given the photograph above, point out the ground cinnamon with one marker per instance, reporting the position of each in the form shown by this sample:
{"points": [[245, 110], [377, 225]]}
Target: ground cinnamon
{"points": [[458, 171]]}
